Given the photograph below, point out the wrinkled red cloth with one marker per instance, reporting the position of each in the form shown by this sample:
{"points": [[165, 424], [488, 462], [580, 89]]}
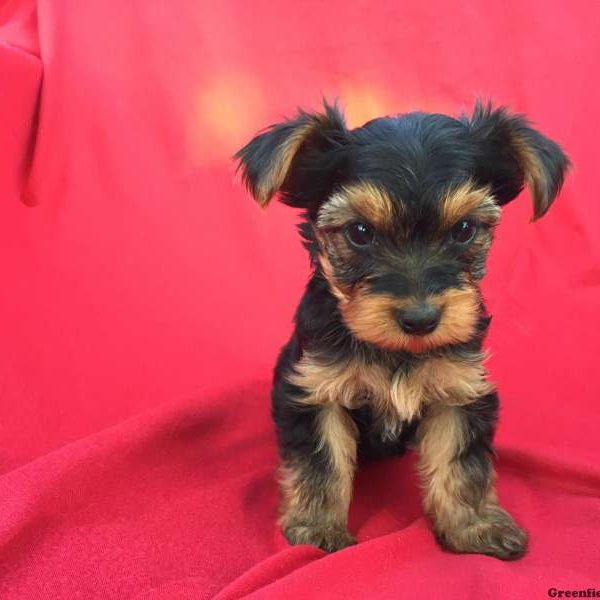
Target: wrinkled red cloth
{"points": [[144, 295]]}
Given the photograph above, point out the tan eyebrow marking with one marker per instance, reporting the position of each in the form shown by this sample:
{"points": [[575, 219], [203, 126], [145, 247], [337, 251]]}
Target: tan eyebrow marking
{"points": [[468, 199], [363, 200]]}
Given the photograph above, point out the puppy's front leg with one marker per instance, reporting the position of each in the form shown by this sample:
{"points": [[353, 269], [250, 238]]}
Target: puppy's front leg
{"points": [[318, 450], [458, 480]]}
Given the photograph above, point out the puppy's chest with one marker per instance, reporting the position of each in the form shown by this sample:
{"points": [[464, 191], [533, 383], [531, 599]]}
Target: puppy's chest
{"points": [[396, 394]]}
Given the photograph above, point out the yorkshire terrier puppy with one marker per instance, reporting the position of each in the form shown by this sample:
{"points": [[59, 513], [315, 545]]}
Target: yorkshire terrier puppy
{"points": [[398, 217]]}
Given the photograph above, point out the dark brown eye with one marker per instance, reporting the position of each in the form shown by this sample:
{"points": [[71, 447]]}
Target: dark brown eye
{"points": [[360, 234], [463, 232]]}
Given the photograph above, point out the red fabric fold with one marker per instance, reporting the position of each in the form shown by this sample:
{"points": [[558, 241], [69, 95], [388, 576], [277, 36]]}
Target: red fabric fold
{"points": [[22, 77]]}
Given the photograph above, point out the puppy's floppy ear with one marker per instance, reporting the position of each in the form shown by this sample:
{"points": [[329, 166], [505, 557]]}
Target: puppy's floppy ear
{"points": [[511, 153], [280, 158]]}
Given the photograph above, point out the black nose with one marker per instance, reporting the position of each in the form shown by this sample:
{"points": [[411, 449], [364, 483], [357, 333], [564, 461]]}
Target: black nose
{"points": [[419, 319]]}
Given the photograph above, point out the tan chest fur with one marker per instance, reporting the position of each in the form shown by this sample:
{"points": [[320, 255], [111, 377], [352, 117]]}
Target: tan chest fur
{"points": [[394, 395]]}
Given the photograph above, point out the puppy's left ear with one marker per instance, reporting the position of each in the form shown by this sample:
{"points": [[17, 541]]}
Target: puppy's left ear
{"points": [[290, 157], [512, 153]]}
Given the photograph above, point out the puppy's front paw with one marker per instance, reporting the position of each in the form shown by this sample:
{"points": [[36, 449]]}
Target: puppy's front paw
{"points": [[494, 534], [328, 538]]}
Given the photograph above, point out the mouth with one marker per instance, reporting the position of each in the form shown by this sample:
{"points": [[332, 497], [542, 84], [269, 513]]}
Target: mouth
{"points": [[418, 345]]}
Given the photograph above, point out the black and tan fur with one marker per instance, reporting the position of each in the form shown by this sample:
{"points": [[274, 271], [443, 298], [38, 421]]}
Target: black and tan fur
{"points": [[387, 349]]}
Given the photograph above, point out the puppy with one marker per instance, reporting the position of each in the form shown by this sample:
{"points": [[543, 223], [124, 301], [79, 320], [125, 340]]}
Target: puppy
{"points": [[398, 217]]}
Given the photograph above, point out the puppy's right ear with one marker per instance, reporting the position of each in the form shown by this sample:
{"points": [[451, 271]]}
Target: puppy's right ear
{"points": [[513, 153], [280, 158]]}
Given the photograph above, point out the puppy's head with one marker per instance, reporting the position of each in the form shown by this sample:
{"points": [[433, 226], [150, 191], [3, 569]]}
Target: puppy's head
{"points": [[400, 213]]}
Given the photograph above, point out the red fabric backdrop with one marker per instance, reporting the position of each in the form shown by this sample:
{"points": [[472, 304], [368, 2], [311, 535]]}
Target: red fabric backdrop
{"points": [[144, 296]]}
